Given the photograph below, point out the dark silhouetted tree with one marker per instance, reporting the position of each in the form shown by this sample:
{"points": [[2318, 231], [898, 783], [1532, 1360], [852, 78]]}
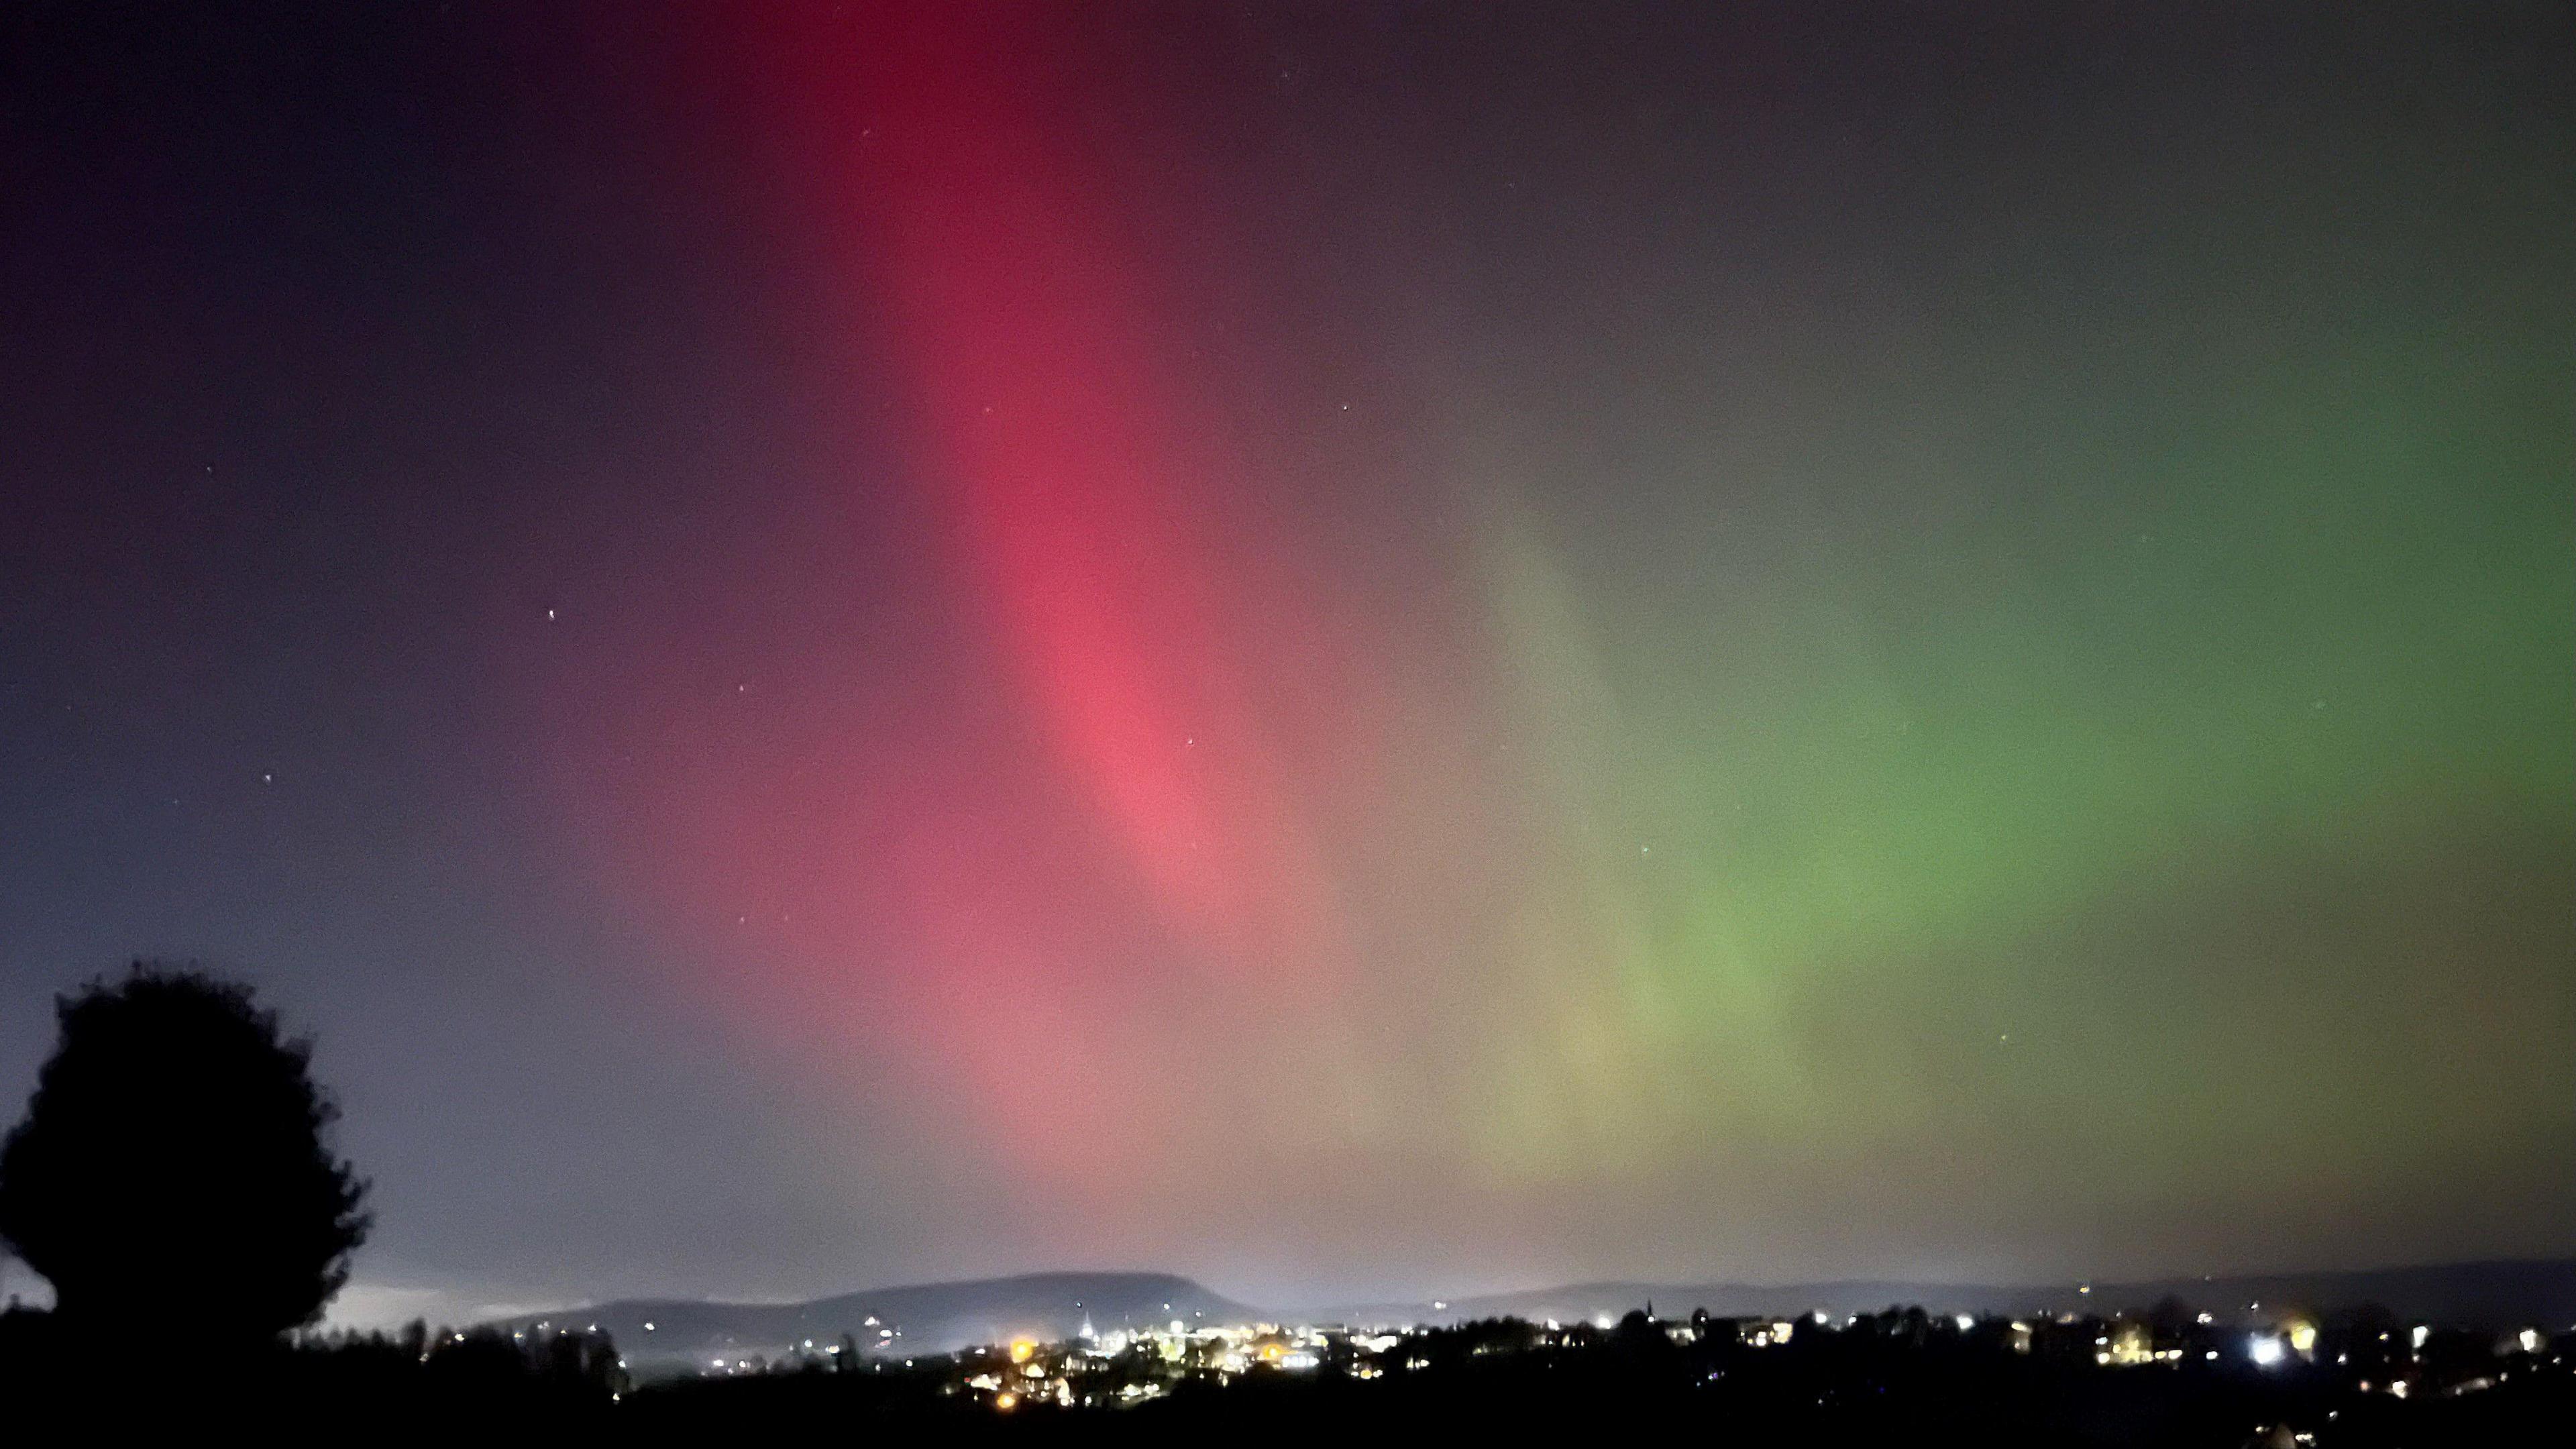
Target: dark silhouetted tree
{"points": [[2170, 1318], [173, 1158]]}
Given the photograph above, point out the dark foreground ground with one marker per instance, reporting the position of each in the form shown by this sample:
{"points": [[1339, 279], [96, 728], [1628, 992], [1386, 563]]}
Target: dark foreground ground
{"points": [[1880, 1382], [1816, 1403]]}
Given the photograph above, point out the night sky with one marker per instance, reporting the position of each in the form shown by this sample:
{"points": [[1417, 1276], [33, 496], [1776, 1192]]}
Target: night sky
{"points": [[1357, 650]]}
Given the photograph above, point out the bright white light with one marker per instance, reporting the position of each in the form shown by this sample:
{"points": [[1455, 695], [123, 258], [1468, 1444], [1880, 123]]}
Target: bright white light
{"points": [[2420, 1334], [2266, 1350], [1965, 1322], [2530, 1339]]}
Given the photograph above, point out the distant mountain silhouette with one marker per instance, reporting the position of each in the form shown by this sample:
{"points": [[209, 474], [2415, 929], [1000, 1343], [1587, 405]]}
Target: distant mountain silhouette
{"points": [[932, 1318], [2496, 1295], [935, 1318]]}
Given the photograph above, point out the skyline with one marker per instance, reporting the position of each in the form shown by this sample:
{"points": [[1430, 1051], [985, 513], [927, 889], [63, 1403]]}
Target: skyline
{"points": [[1405, 651]]}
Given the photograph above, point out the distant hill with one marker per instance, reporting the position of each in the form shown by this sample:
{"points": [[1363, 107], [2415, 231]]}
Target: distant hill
{"points": [[935, 1318], [931, 1318], [2498, 1295]]}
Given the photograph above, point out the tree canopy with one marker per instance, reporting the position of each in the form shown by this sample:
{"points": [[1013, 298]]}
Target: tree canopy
{"points": [[175, 1153]]}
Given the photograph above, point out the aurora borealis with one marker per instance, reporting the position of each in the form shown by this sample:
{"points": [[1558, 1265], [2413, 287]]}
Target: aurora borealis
{"points": [[1350, 650]]}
